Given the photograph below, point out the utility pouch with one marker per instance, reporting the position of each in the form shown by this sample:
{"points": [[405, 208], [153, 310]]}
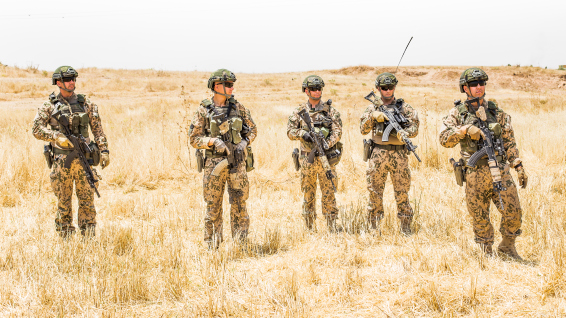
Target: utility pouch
{"points": [[335, 154], [459, 171], [200, 160], [95, 154], [295, 156], [368, 147], [48, 153], [249, 160]]}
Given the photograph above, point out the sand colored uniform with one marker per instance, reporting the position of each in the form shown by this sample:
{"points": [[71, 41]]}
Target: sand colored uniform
{"points": [[62, 179], [390, 157], [322, 116], [201, 131], [479, 184]]}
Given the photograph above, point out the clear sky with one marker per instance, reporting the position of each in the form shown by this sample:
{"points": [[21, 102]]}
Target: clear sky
{"points": [[280, 36]]}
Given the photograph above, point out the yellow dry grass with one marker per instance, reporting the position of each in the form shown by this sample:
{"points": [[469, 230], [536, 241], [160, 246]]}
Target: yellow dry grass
{"points": [[148, 258]]}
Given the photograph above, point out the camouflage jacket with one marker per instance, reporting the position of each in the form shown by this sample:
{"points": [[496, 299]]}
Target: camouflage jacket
{"points": [[296, 127], [368, 123], [449, 136], [199, 131], [43, 118]]}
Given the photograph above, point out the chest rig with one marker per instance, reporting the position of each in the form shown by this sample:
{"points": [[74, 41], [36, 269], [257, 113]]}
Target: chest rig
{"points": [[467, 117], [223, 122], [320, 119], [75, 112]]}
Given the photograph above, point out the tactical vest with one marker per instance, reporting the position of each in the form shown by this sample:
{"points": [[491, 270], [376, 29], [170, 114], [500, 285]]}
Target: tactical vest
{"points": [[466, 117], [221, 124], [78, 119]]}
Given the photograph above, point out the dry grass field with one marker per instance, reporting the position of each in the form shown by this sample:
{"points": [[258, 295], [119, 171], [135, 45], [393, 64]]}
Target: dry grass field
{"points": [[149, 258]]}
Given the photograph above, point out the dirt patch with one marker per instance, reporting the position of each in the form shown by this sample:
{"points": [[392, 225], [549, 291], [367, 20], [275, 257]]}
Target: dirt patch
{"points": [[414, 74], [353, 70]]}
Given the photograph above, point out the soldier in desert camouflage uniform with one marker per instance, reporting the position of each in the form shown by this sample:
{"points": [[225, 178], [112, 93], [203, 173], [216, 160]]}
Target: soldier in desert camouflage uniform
{"points": [[327, 120], [82, 114], [222, 125], [388, 156], [460, 127]]}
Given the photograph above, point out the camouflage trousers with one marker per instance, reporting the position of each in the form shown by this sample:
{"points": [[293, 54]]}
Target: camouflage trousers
{"points": [[479, 193], [238, 193], [310, 172], [62, 180], [395, 163]]}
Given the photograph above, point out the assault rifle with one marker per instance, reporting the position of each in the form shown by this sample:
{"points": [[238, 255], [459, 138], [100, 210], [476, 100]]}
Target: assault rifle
{"points": [[320, 147], [80, 149], [488, 147], [396, 121]]}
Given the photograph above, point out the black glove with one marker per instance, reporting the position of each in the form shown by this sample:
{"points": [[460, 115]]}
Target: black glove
{"points": [[307, 137]]}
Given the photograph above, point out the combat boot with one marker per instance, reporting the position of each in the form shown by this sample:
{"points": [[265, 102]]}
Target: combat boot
{"points": [[486, 248], [88, 231], [507, 248], [309, 221], [406, 226], [332, 226]]}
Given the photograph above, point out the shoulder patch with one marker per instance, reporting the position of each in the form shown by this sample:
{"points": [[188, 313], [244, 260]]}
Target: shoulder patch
{"points": [[399, 102], [461, 107], [492, 104]]}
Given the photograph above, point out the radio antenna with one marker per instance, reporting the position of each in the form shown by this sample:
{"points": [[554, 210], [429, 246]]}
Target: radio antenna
{"points": [[403, 55]]}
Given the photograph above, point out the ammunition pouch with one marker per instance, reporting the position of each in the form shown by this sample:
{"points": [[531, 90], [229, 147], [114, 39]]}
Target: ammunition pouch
{"points": [[368, 148], [334, 154], [295, 156], [459, 171], [250, 160], [201, 160], [48, 153], [93, 157]]}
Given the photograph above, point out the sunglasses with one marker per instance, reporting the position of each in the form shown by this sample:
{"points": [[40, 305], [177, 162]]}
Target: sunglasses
{"points": [[476, 83], [68, 79], [226, 84], [315, 88], [387, 88]]}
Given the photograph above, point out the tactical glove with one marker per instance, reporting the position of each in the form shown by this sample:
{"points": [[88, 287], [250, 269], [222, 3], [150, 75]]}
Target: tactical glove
{"points": [[307, 137], [62, 141], [401, 134], [104, 159], [522, 176], [379, 116], [474, 132], [240, 151], [220, 146]]}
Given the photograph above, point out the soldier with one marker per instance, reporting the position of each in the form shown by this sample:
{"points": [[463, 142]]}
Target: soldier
{"points": [[326, 119], [225, 128], [81, 114], [388, 156], [460, 127]]}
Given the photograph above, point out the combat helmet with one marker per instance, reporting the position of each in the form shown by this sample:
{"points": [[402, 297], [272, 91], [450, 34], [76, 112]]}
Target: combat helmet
{"points": [[472, 74], [312, 80], [220, 75], [385, 79], [63, 71]]}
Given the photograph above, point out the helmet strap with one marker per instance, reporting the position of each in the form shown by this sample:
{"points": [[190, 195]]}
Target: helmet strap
{"points": [[386, 99], [472, 99], [313, 98]]}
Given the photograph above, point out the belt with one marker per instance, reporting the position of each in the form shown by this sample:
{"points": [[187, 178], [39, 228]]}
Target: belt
{"points": [[306, 153], [213, 154], [57, 151], [483, 162], [389, 147]]}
